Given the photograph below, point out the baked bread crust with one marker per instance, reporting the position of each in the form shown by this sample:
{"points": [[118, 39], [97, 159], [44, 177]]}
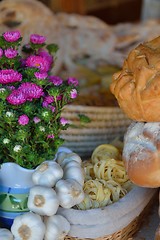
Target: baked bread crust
{"points": [[141, 153], [137, 85]]}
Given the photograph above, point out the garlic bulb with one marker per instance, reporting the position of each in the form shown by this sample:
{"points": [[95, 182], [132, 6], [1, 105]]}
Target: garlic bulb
{"points": [[47, 174], [57, 227], [69, 192], [5, 234], [60, 157], [28, 226], [74, 172], [71, 164], [71, 157], [43, 200]]}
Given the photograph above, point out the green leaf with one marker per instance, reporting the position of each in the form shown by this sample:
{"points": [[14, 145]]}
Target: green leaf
{"points": [[52, 48], [2, 197], [84, 119], [15, 202]]}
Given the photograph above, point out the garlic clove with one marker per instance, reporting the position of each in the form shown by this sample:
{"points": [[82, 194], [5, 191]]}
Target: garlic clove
{"points": [[28, 226]]}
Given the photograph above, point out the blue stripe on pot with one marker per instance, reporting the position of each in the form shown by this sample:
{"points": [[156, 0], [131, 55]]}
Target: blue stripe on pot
{"points": [[14, 190]]}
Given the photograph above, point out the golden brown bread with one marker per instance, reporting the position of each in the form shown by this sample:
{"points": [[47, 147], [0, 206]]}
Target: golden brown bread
{"points": [[141, 153], [137, 85]]}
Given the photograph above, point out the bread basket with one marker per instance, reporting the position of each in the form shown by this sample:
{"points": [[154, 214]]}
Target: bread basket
{"points": [[106, 124], [118, 221]]}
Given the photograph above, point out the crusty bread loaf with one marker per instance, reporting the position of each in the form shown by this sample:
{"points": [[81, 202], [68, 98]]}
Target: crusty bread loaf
{"points": [[137, 85], [141, 153]]}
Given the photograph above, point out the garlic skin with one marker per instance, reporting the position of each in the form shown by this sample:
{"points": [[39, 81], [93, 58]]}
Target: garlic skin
{"points": [[69, 192], [43, 200], [74, 172], [70, 157], [71, 164], [57, 227], [47, 174], [5, 234], [28, 226]]}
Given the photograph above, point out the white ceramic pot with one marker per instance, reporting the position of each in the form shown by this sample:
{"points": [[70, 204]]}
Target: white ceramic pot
{"points": [[15, 183]]}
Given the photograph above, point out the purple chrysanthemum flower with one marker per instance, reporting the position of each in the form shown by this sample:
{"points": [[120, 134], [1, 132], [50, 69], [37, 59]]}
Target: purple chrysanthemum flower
{"points": [[23, 120], [16, 98], [1, 52], [41, 75], [11, 36], [9, 76], [59, 98], [73, 93], [56, 80], [31, 90], [63, 121], [36, 119], [37, 39], [45, 104], [73, 81], [10, 53], [38, 62], [46, 55], [52, 108], [49, 99], [50, 136]]}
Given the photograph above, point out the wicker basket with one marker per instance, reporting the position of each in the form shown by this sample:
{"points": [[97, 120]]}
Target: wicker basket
{"points": [[107, 123], [130, 228]]}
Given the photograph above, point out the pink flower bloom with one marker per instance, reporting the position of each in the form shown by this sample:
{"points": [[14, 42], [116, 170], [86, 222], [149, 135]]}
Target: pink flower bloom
{"points": [[23, 120], [38, 62], [9, 76], [49, 99], [40, 75], [73, 93], [10, 53], [31, 90], [16, 98], [59, 98], [50, 136], [73, 81], [36, 119], [56, 80], [63, 121], [45, 104], [1, 52], [46, 55], [37, 39], [11, 36], [52, 108]]}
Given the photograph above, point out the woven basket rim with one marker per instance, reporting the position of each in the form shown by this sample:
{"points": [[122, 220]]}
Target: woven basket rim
{"points": [[100, 108]]}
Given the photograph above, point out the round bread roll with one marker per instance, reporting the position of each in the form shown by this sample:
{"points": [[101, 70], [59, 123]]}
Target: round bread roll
{"points": [[141, 153], [29, 17], [137, 85]]}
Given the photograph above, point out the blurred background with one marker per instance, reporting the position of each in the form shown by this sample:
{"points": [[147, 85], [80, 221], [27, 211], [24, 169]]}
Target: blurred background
{"points": [[111, 11]]}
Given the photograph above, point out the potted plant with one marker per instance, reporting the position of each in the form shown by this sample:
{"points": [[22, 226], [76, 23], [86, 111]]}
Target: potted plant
{"points": [[31, 103]]}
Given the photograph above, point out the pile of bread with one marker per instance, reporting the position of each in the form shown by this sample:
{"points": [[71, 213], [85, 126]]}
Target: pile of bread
{"points": [[137, 89]]}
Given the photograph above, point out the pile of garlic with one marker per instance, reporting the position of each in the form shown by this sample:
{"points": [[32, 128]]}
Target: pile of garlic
{"points": [[57, 182]]}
